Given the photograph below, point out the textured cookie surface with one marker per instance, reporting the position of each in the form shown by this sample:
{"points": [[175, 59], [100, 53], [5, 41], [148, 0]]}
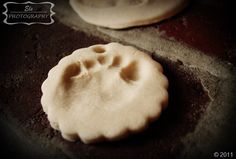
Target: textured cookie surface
{"points": [[118, 14], [104, 92]]}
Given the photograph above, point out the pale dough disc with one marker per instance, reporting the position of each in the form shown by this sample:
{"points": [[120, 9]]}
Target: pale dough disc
{"points": [[104, 92], [118, 14]]}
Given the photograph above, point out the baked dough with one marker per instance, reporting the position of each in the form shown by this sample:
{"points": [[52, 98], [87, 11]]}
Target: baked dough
{"points": [[118, 14], [104, 92]]}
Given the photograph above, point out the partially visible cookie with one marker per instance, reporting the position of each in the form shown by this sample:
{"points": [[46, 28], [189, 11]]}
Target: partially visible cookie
{"points": [[104, 92], [118, 14]]}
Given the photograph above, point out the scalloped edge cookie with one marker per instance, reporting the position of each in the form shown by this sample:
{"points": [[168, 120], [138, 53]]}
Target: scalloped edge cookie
{"points": [[104, 92], [119, 14]]}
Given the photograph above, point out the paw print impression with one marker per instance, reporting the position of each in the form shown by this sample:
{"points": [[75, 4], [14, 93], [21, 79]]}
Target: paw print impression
{"points": [[104, 92]]}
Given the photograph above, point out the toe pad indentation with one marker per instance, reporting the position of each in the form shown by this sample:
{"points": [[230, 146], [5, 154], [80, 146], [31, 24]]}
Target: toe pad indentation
{"points": [[130, 72]]}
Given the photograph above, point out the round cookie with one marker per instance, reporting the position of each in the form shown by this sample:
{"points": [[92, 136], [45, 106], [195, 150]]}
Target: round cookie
{"points": [[118, 14], [104, 92]]}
